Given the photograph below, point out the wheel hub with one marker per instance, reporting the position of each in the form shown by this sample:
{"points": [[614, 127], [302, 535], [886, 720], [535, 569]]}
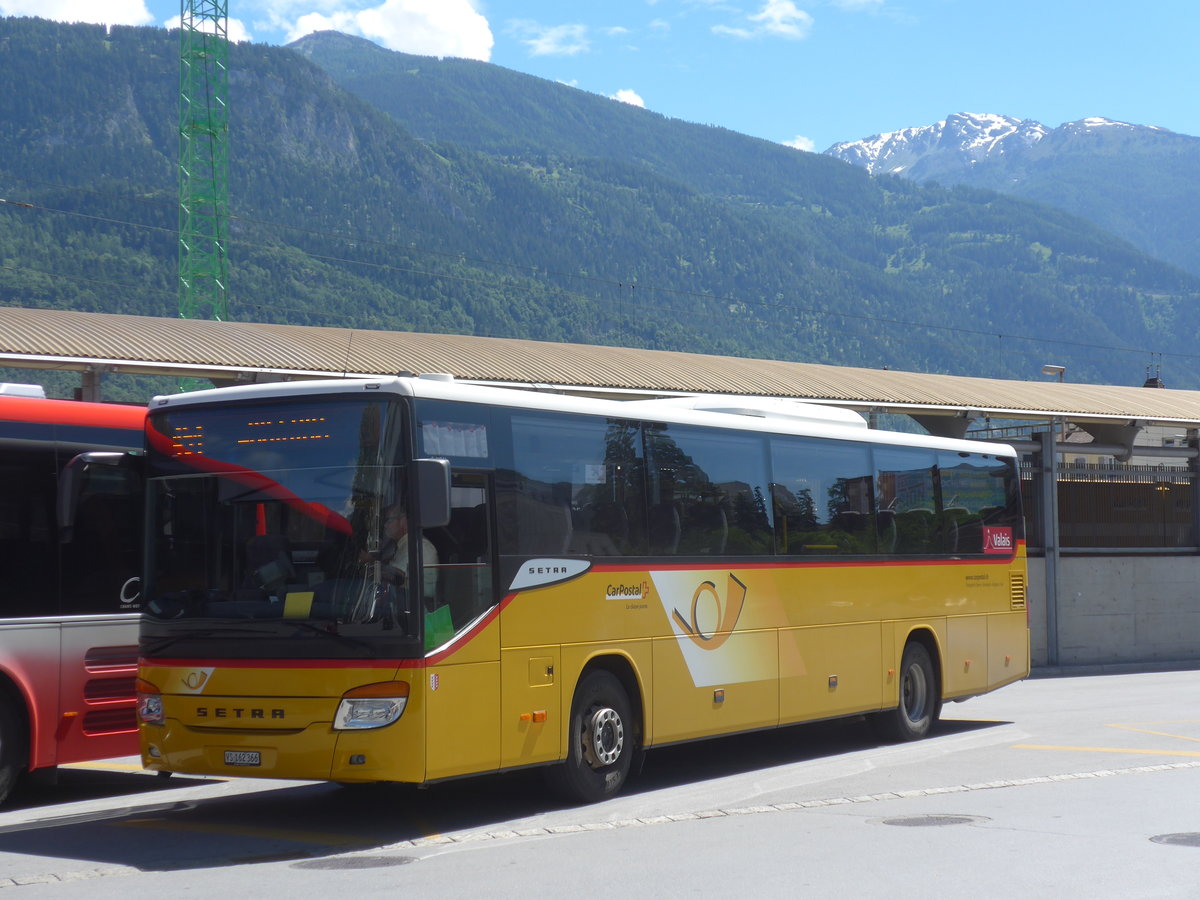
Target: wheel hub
{"points": [[604, 738], [915, 693]]}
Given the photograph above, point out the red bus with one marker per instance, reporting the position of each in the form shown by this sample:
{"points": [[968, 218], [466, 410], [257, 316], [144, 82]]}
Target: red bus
{"points": [[71, 597]]}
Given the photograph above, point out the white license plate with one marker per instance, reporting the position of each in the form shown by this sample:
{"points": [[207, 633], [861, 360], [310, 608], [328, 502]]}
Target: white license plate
{"points": [[243, 758]]}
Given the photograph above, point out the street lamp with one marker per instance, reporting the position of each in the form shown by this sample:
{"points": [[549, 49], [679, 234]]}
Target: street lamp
{"points": [[1057, 424]]}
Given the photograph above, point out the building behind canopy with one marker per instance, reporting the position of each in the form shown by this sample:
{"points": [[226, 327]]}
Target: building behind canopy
{"points": [[1110, 472]]}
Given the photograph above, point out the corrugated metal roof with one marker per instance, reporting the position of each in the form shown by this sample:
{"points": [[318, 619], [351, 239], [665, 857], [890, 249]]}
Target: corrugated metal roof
{"points": [[63, 339]]}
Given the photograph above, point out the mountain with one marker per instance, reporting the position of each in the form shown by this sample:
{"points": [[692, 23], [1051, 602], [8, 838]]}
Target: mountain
{"points": [[462, 197], [1137, 181], [510, 115]]}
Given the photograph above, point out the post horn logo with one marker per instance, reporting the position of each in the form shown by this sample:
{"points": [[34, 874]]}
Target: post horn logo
{"points": [[728, 611], [195, 679]]}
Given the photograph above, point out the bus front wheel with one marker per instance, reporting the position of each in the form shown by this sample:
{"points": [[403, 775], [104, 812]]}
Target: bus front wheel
{"points": [[920, 700], [601, 741]]}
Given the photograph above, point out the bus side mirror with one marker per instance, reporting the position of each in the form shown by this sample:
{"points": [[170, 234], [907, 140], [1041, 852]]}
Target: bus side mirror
{"points": [[73, 478], [433, 491]]}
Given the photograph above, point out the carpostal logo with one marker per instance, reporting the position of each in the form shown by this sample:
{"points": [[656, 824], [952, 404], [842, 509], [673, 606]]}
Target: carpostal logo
{"points": [[997, 540], [712, 618], [628, 591], [704, 609], [193, 680]]}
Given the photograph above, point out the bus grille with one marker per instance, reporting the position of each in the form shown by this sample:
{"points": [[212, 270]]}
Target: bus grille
{"points": [[1017, 592], [109, 721], [110, 659], [104, 690]]}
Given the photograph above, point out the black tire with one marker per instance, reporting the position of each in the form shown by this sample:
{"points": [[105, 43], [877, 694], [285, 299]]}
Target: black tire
{"points": [[601, 741], [13, 751], [920, 699]]}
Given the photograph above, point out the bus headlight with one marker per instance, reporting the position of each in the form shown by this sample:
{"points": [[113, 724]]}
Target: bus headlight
{"points": [[371, 706], [149, 703]]}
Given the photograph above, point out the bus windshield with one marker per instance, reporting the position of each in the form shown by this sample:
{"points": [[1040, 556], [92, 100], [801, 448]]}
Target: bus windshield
{"points": [[269, 535]]}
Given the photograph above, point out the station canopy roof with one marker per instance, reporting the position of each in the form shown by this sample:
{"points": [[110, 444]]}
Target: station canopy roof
{"points": [[230, 352]]}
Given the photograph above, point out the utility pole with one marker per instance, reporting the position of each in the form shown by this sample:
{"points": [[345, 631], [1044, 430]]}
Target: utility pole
{"points": [[203, 159]]}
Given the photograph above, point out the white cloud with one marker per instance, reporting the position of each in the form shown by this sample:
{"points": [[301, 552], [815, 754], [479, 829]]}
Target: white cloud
{"points": [[777, 18], [784, 19], [625, 95], [109, 12], [426, 27], [550, 40], [800, 142]]}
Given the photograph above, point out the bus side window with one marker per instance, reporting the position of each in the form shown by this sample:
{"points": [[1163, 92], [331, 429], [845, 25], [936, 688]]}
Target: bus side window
{"points": [[28, 545], [906, 508], [464, 547], [708, 492], [974, 494], [575, 488], [821, 493], [105, 549]]}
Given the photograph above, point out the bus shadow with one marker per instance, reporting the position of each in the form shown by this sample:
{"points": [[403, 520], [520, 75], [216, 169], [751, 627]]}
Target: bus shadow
{"points": [[72, 785], [319, 820], [742, 753]]}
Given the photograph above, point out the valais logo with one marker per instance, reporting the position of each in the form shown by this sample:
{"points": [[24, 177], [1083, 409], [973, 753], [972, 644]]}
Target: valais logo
{"points": [[997, 540]]}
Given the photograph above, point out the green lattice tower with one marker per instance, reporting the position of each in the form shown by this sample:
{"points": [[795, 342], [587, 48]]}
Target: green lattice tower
{"points": [[203, 159]]}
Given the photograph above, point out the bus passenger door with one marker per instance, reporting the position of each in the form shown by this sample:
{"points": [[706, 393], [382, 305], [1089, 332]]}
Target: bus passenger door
{"points": [[462, 676], [100, 564]]}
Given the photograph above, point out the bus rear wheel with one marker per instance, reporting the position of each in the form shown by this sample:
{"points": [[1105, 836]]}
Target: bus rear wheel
{"points": [[600, 744], [920, 701]]}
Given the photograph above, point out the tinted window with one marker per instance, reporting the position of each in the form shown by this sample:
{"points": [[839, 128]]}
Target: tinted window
{"points": [[707, 492], [28, 536], [102, 562], [575, 487], [821, 494], [981, 508], [906, 503], [460, 432]]}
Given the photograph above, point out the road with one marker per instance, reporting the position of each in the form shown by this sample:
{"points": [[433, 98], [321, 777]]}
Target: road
{"points": [[1055, 787]]}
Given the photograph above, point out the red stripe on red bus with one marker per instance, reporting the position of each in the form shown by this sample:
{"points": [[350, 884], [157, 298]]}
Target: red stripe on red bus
{"points": [[71, 412]]}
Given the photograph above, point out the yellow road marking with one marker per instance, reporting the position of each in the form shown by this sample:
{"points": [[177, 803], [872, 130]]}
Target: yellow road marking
{"points": [[1108, 750], [300, 837], [1182, 737]]}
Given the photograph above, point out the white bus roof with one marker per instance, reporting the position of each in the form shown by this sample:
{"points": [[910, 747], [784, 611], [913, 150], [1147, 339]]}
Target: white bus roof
{"points": [[768, 415]]}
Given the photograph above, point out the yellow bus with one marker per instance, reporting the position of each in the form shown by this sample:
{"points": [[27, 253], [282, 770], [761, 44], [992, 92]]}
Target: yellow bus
{"points": [[415, 579]]}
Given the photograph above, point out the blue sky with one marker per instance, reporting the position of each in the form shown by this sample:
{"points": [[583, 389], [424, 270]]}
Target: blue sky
{"points": [[805, 72]]}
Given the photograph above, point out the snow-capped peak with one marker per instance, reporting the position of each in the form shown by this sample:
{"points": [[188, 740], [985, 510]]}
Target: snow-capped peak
{"points": [[963, 140], [971, 136]]}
